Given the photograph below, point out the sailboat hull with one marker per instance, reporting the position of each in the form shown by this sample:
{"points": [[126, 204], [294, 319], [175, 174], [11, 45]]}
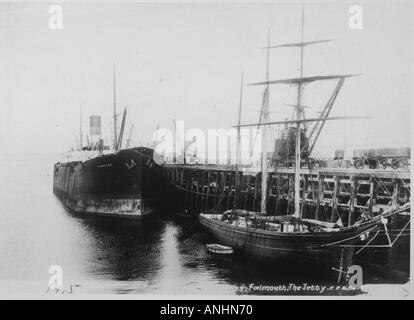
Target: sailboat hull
{"points": [[269, 245]]}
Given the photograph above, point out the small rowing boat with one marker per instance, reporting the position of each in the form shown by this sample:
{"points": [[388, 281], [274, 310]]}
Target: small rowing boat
{"points": [[219, 249]]}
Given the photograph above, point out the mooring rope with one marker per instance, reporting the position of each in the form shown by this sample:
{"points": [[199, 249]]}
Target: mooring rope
{"points": [[372, 239], [350, 238], [197, 192], [402, 230]]}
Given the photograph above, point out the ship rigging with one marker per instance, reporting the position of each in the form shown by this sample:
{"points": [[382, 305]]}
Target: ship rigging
{"points": [[272, 236]]}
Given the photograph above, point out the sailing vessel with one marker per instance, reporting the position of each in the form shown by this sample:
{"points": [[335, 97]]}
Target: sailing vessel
{"points": [[272, 237], [105, 180]]}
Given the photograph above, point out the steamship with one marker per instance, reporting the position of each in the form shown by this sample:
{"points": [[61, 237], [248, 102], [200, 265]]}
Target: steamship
{"points": [[99, 179]]}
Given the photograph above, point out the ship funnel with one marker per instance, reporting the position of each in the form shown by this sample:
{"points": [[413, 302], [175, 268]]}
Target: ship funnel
{"points": [[95, 129]]}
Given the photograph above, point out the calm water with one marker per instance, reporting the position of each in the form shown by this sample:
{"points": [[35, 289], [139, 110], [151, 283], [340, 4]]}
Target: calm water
{"points": [[161, 255]]}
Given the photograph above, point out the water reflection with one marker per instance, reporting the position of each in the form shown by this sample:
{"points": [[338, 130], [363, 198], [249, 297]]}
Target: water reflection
{"points": [[123, 250]]}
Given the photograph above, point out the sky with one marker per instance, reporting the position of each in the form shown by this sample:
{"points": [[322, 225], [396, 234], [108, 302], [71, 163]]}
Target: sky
{"points": [[184, 61]]}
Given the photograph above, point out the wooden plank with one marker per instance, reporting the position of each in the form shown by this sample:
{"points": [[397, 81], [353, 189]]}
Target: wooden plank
{"points": [[371, 196], [319, 196], [247, 188], [395, 192], [352, 201], [335, 198], [229, 187], [304, 194], [208, 189]]}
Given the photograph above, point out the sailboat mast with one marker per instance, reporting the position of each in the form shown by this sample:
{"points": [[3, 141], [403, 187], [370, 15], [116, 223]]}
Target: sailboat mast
{"points": [[238, 146], [175, 141], [115, 127], [265, 111], [80, 128], [298, 129]]}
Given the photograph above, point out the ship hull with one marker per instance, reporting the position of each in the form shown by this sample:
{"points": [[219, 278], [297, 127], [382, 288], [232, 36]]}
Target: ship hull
{"points": [[115, 185], [267, 245]]}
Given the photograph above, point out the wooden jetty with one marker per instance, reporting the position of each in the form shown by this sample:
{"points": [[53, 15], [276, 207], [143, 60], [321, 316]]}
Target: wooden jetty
{"points": [[325, 193]]}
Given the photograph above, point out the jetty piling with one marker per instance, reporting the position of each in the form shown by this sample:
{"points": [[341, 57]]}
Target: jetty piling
{"points": [[326, 193]]}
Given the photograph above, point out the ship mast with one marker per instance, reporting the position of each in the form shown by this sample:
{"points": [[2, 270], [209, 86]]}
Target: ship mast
{"points": [[238, 146], [264, 119], [175, 141], [265, 131], [298, 133], [80, 128], [115, 127]]}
